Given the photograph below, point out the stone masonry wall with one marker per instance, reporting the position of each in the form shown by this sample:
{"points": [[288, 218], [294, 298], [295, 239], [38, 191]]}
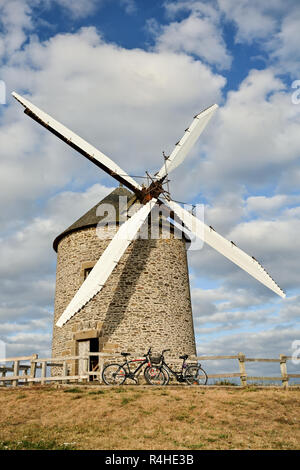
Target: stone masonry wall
{"points": [[145, 302]]}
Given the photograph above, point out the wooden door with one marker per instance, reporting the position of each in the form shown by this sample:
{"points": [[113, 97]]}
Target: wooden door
{"points": [[83, 350]]}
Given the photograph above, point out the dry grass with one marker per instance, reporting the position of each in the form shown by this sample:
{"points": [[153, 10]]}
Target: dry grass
{"points": [[149, 418]]}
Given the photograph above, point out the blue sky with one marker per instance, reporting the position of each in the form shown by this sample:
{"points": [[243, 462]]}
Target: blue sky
{"points": [[129, 76]]}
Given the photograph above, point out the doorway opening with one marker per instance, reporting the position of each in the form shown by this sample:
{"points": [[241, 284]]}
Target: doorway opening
{"points": [[94, 360], [84, 348]]}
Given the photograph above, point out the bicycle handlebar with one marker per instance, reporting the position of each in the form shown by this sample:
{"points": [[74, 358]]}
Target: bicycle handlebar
{"points": [[149, 352]]}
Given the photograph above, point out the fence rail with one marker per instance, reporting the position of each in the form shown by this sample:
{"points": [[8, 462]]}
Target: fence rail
{"points": [[21, 374]]}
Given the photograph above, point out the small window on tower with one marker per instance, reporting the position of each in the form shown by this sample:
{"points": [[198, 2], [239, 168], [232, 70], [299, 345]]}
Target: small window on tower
{"points": [[87, 272]]}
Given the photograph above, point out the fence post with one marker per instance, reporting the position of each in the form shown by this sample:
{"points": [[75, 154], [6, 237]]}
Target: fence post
{"points": [[242, 367], [25, 374], [3, 374], [16, 372], [33, 367], [64, 371], [283, 368], [44, 371], [87, 368], [101, 364]]}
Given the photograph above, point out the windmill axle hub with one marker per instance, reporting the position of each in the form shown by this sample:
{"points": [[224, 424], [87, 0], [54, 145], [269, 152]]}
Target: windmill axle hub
{"points": [[153, 191]]}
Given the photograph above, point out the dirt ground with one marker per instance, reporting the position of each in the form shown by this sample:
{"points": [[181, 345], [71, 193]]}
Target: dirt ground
{"points": [[132, 417]]}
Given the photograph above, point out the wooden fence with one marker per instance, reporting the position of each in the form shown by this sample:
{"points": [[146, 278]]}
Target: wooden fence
{"points": [[22, 374]]}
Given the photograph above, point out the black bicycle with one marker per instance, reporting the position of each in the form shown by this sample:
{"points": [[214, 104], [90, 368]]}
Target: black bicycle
{"points": [[192, 374], [116, 374]]}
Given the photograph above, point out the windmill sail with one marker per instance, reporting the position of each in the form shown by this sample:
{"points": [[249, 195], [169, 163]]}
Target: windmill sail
{"points": [[79, 144], [187, 141], [106, 263], [226, 248], [126, 233]]}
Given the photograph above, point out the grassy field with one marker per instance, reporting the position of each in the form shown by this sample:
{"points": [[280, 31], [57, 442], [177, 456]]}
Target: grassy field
{"points": [[131, 417]]}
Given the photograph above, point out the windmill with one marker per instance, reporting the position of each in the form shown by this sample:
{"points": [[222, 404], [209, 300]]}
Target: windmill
{"points": [[154, 194]]}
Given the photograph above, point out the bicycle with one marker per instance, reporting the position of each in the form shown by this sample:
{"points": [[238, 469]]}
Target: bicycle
{"points": [[192, 374], [117, 374]]}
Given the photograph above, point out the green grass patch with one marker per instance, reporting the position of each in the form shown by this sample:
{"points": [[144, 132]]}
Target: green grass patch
{"points": [[125, 401], [35, 445], [226, 383], [194, 446], [97, 392]]}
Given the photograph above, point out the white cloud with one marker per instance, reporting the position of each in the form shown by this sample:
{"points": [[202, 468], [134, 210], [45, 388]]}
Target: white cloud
{"points": [[28, 344], [274, 26], [80, 8], [269, 343], [29, 249], [257, 132], [231, 321], [270, 206], [84, 8], [284, 46], [253, 18], [198, 34], [132, 104], [129, 103], [129, 6], [15, 17]]}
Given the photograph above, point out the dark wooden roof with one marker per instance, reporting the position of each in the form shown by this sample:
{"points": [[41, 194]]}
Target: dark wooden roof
{"points": [[91, 219]]}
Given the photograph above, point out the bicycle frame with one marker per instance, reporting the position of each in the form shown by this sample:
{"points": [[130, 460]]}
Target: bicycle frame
{"points": [[179, 375], [131, 374]]}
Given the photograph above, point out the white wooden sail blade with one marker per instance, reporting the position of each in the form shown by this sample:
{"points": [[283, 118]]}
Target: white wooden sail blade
{"points": [[107, 262], [226, 248], [79, 144], [189, 138]]}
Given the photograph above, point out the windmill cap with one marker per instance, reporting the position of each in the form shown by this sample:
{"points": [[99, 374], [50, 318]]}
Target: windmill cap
{"points": [[91, 219]]}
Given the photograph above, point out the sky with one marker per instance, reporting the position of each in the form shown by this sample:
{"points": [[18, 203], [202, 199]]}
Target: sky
{"points": [[128, 76]]}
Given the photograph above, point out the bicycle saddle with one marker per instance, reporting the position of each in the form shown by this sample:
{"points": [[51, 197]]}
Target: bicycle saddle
{"points": [[184, 357], [125, 354]]}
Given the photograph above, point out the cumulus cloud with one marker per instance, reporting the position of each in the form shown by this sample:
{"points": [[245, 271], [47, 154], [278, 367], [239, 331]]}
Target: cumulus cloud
{"points": [[29, 249], [269, 343], [15, 19], [257, 145], [28, 270], [254, 19], [284, 47], [132, 104], [231, 321], [257, 132], [272, 26], [199, 34], [123, 101], [80, 8]]}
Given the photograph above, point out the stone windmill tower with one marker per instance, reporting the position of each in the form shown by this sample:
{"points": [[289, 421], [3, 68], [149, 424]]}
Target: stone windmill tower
{"points": [[146, 300], [137, 291]]}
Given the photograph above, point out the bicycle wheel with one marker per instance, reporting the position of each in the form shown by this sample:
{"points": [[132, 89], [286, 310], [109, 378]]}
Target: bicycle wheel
{"points": [[114, 374], [195, 375], [155, 375]]}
